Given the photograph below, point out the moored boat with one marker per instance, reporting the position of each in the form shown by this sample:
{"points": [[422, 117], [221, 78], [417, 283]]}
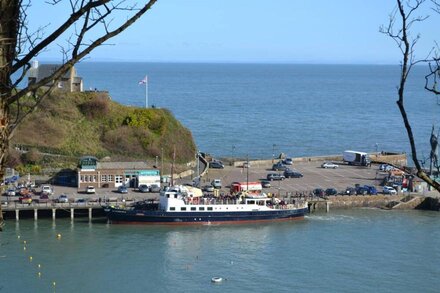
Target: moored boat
{"points": [[186, 205]]}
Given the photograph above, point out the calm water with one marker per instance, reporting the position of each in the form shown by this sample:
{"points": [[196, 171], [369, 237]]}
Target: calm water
{"points": [[345, 251], [240, 109]]}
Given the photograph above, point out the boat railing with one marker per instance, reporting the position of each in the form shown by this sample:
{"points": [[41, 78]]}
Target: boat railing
{"points": [[281, 204]]}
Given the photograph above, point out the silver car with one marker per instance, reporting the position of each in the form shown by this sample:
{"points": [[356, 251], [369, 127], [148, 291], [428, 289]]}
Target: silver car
{"points": [[329, 165]]}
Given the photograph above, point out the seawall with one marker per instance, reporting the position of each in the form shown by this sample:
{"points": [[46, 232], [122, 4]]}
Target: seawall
{"points": [[395, 202]]}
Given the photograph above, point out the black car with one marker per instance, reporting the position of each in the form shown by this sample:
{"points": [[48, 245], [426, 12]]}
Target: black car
{"points": [[318, 192], [216, 165], [275, 176], [331, 191], [292, 174], [350, 191], [279, 167], [265, 183]]}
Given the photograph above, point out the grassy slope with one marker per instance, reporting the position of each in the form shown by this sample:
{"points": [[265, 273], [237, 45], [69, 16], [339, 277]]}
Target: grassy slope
{"points": [[91, 124]]}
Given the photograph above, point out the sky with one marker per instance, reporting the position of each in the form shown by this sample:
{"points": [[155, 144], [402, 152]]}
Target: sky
{"points": [[255, 31]]}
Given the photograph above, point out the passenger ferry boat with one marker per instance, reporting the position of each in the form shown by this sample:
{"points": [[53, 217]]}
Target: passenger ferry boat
{"points": [[186, 205]]}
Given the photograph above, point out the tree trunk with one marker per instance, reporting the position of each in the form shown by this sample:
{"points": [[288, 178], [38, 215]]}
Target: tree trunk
{"points": [[9, 23]]}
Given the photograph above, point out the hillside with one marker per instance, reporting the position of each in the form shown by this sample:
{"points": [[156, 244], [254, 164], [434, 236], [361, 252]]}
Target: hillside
{"points": [[76, 124]]}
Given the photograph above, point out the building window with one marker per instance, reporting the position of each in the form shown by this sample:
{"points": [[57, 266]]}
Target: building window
{"points": [[94, 178], [110, 178], [118, 179], [103, 178]]}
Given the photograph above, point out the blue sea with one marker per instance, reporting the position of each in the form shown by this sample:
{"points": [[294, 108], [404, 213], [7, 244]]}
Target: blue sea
{"points": [[300, 110], [364, 250], [239, 110]]}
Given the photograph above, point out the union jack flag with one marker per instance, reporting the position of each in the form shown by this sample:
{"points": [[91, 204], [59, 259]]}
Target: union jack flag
{"points": [[144, 81]]}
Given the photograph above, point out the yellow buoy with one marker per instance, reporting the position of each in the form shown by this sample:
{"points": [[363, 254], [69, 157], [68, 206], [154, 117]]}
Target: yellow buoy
{"points": [[30, 258], [58, 235], [24, 241], [18, 236], [54, 284], [39, 266], [24, 248], [39, 274]]}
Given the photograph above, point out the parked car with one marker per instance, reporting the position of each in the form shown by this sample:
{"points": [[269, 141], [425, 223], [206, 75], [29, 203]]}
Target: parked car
{"points": [[292, 174], [47, 189], [279, 166], [366, 189], [216, 165], [318, 192], [331, 191], [275, 176], [122, 189], [44, 198], [389, 190], [288, 161], [143, 188], [350, 191], [63, 198], [154, 188], [80, 201], [217, 183], [329, 165], [386, 167], [11, 192], [371, 189], [25, 199], [208, 188], [361, 190], [90, 190], [265, 183]]}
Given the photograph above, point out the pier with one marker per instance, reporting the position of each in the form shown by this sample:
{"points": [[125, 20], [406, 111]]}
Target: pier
{"points": [[53, 210]]}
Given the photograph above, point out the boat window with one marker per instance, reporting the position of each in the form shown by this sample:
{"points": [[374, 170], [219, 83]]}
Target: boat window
{"points": [[175, 196], [172, 208], [209, 208], [183, 208], [168, 195], [193, 208], [201, 208]]}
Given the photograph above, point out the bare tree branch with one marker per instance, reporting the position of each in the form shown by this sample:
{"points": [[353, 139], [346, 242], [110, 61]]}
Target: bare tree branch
{"points": [[407, 47]]}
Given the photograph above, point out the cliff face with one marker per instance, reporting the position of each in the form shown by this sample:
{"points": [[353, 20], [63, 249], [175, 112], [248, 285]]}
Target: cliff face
{"points": [[78, 124]]}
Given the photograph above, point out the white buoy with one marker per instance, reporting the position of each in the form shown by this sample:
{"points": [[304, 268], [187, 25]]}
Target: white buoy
{"points": [[216, 280]]}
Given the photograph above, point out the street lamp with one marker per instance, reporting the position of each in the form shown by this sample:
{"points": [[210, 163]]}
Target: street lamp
{"points": [[247, 173], [273, 152]]}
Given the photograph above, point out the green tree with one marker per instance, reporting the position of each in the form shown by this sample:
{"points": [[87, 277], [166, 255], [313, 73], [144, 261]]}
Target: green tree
{"points": [[88, 25]]}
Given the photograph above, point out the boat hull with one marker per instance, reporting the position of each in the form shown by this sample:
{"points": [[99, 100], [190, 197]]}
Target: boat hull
{"points": [[188, 218]]}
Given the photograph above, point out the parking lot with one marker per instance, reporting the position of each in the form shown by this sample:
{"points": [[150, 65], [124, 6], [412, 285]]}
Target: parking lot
{"points": [[314, 177]]}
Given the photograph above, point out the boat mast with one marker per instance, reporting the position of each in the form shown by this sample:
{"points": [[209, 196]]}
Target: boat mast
{"points": [[172, 166]]}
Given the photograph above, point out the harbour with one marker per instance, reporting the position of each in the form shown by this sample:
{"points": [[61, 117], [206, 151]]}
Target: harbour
{"points": [[356, 246], [286, 190]]}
